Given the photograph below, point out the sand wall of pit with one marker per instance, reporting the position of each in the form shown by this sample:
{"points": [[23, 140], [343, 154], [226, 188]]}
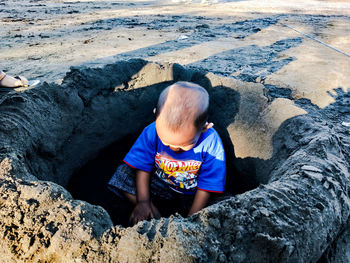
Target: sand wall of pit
{"points": [[298, 156]]}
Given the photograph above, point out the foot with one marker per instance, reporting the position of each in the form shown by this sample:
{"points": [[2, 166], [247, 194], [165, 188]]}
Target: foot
{"points": [[7, 81]]}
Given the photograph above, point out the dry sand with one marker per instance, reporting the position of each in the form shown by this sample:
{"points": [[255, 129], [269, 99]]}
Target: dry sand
{"points": [[43, 39]]}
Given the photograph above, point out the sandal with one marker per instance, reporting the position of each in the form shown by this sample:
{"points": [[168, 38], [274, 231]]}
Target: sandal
{"points": [[19, 83], [12, 82]]}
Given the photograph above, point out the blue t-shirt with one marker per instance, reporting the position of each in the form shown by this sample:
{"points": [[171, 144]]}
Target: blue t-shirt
{"points": [[202, 167]]}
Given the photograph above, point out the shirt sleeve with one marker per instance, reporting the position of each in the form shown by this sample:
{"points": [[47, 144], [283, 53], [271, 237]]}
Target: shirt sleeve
{"points": [[212, 176], [141, 154]]}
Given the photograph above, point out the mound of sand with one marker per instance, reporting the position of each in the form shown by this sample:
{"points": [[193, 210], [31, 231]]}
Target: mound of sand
{"points": [[298, 153]]}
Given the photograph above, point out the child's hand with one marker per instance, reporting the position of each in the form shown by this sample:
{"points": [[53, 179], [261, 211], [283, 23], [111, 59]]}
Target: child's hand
{"points": [[143, 211]]}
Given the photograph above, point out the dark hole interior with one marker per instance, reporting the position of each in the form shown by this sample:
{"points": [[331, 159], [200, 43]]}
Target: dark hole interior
{"points": [[89, 183]]}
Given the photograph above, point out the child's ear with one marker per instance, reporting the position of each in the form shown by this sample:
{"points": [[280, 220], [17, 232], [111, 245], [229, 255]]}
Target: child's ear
{"points": [[207, 126]]}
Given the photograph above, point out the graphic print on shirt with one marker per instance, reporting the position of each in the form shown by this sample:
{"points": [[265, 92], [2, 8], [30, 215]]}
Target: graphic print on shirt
{"points": [[181, 175]]}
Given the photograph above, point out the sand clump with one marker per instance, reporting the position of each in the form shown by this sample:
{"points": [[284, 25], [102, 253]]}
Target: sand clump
{"points": [[296, 214]]}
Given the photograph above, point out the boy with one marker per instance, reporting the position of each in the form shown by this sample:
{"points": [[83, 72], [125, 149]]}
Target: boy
{"points": [[178, 156]]}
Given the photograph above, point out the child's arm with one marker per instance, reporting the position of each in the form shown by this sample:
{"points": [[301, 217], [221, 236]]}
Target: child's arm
{"points": [[143, 209], [142, 186], [200, 201]]}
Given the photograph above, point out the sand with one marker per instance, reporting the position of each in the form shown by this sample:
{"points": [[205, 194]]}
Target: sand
{"points": [[42, 40], [279, 97]]}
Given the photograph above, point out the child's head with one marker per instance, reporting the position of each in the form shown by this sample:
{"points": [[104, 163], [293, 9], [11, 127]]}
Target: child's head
{"points": [[182, 114]]}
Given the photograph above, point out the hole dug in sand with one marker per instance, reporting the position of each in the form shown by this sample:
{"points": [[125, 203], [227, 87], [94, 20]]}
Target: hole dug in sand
{"points": [[90, 182], [50, 132]]}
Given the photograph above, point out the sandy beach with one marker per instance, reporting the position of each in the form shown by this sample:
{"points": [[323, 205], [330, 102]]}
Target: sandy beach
{"points": [[259, 41], [278, 76]]}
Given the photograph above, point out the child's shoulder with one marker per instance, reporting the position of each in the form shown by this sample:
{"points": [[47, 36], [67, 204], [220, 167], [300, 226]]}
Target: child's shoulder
{"points": [[150, 131], [210, 139], [212, 144], [211, 134], [150, 127]]}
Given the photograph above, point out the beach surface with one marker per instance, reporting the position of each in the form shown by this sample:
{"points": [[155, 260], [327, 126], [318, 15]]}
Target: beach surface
{"points": [[303, 46]]}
